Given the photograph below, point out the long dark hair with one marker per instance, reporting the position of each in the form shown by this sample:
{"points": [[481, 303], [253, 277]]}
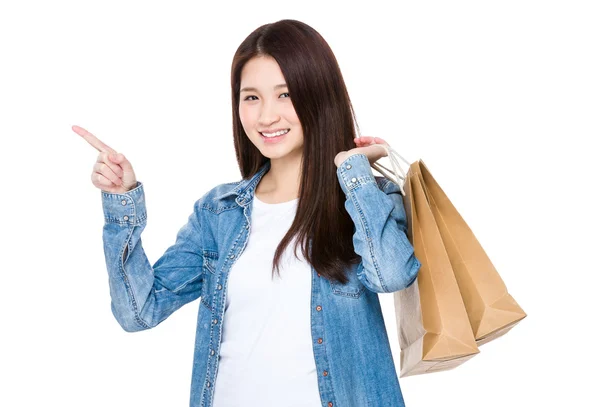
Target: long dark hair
{"points": [[320, 98]]}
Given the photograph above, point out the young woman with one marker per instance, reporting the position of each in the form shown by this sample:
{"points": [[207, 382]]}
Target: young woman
{"points": [[276, 326]]}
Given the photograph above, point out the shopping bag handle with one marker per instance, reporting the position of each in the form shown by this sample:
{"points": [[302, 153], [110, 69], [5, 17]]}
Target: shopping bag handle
{"points": [[393, 155]]}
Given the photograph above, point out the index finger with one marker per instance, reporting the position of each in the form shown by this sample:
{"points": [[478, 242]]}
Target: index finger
{"points": [[379, 140], [93, 140]]}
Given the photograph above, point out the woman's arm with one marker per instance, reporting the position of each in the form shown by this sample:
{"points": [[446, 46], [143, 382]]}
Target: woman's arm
{"points": [[143, 295], [389, 263]]}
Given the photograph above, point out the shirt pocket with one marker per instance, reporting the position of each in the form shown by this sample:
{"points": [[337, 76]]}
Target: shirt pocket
{"points": [[210, 268], [210, 261], [352, 289]]}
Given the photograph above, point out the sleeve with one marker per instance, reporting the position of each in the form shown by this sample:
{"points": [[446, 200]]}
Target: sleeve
{"points": [[143, 295], [388, 259]]}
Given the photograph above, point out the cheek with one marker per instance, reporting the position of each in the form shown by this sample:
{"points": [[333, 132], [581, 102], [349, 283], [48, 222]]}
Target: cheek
{"points": [[291, 116], [245, 117]]}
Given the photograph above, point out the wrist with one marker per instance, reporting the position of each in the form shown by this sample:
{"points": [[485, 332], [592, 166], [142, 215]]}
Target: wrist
{"points": [[340, 157]]}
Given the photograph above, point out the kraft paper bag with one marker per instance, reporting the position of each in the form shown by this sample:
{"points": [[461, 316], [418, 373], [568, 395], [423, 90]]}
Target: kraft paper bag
{"points": [[492, 310], [433, 325]]}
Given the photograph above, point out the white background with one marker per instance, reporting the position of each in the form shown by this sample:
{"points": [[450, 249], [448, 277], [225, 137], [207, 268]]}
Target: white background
{"points": [[500, 100]]}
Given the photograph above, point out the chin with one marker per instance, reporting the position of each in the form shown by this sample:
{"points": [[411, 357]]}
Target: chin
{"points": [[273, 153]]}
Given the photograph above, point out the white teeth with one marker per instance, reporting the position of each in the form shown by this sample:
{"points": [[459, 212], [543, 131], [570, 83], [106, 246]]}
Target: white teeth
{"points": [[279, 133]]}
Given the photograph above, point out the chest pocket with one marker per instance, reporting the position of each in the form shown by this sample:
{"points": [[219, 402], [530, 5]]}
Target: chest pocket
{"points": [[210, 261], [210, 268], [352, 289]]}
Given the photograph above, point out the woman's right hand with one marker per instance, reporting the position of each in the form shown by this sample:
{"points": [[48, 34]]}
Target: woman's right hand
{"points": [[112, 172]]}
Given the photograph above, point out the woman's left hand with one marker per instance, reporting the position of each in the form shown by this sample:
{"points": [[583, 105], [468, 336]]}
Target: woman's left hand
{"points": [[365, 145]]}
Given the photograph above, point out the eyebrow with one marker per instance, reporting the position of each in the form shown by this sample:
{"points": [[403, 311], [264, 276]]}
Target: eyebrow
{"points": [[251, 89]]}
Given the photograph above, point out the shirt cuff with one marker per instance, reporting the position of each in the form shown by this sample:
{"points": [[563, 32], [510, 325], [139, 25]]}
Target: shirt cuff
{"points": [[127, 208], [355, 171]]}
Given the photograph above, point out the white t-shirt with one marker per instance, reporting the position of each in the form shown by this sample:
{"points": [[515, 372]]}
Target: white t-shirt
{"points": [[266, 356]]}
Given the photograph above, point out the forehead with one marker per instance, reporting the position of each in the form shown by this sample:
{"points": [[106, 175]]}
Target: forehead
{"points": [[261, 72]]}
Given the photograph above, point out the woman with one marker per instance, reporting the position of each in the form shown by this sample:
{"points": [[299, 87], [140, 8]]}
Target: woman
{"points": [[279, 328]]}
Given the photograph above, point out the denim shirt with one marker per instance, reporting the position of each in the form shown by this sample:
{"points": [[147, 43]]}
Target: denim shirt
{"points": [[354, 362]]}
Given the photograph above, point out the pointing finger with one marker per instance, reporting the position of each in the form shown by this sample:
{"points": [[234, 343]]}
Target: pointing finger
{"points": [[93, 140]]}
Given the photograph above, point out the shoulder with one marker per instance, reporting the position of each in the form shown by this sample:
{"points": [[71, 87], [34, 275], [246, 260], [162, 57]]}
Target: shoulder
{"points": [[221, 189], [218, 198]]}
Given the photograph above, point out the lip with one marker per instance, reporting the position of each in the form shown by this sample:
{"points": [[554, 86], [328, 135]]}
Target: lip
{"points": [[273, 130], [273, 140]]}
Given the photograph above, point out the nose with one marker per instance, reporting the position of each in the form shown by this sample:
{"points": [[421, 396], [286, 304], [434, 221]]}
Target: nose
{"points": [[268, 114]]}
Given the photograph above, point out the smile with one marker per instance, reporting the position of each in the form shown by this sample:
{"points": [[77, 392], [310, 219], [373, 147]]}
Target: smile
{"points": [[276, 134], [270, 138]]}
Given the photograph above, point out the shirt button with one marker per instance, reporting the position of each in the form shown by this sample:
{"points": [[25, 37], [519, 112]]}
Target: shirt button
{"points": [[319, 274], [207, 384], [325, 373], [215, 321], [232, 256], [123, 202], [125, 217], [348, 166], [320, 340], [219, 286], [353, 179], [212, 352], [319, 308]]}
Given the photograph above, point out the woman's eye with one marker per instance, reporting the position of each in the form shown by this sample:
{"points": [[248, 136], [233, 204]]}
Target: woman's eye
{"points": [[255, 98]]}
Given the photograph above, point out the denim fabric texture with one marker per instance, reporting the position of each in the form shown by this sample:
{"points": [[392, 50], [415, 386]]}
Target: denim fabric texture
{"points": [[355, 367]]}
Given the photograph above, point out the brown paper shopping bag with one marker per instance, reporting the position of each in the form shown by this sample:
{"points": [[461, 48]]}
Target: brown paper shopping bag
{"points": [[492, 310], [433, 325]]}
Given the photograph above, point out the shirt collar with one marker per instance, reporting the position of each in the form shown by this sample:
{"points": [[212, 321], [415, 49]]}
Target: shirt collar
{"points": [[245, 188]]}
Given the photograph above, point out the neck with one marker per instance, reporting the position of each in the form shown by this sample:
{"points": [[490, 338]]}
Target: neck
{"points": [[282, 181]]}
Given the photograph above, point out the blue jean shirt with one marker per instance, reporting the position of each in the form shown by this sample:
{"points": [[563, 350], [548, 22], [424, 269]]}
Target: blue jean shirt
{"points": [[355, 366]]}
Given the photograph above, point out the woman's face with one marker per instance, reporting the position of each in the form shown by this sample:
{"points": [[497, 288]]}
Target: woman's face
{"points": [[266, 107]]}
